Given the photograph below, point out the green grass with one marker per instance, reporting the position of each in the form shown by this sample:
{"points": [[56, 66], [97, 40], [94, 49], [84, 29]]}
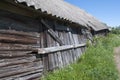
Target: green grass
{"points": [[97, 63]]}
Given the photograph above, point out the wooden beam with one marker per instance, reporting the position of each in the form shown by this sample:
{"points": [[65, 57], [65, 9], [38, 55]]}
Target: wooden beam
{"points": [[58, 48], [52, 33]]}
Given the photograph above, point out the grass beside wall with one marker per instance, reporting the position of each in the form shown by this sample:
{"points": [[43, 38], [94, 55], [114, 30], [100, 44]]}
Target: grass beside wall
{"points": [[97, 63]]}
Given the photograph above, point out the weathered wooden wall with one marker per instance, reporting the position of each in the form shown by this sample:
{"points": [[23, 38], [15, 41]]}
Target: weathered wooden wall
{"points": [[26, 44], [16, 58]]}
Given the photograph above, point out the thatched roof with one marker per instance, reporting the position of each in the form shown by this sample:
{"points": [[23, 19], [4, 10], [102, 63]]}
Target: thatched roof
{"points": [[62, 9]]}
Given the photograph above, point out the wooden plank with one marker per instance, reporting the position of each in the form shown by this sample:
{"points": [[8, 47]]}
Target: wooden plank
{"points": [[58, 48], [19, 33], [63, 54], [9, 65], [10, 57], [14, 61], [30, 77], [80, 37], [55, 60], [15, 45], [52, 33], [69, 51], [17, 40], [20, 68], [76, 39], [58, 54], [10, 73], [66, 52], [15, 49], [17, 59], [24, 76], [45, 56], [10, 54], [71, 43], [43, 45], [14, 53], [51, 61]]}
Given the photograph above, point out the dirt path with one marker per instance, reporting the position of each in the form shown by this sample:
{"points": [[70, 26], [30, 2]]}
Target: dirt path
{"points": [[117, 58]]}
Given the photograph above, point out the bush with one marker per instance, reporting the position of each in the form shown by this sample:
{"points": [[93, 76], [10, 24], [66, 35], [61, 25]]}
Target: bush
{"points": [[115, 30]]}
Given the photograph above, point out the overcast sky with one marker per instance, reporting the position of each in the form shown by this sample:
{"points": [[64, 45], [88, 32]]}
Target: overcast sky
{"points": [[107, 11]]}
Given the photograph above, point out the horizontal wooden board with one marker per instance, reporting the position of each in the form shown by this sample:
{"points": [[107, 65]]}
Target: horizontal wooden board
{"points": [[19, 69], [14, 47], [17, 39], [19, 33], [15, 61], [58, 48], [26, 76]]}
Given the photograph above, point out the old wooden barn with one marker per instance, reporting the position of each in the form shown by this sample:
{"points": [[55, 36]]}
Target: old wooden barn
{"points": [[42, 35]]}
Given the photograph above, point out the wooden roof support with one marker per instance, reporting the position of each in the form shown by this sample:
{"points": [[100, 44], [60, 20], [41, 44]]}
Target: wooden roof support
{"points": [[51, 32]]}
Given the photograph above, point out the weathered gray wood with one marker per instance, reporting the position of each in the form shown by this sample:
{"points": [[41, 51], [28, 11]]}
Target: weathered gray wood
{"points": [[17, 40], [52, 33], [42, 44], [69, 51], [10, 73], [58, 54], [56, 57], [18, 69], [15, 49], [66, 53], [4, 45], [60, 33], [10, 62], [20, 65], [19, 33], [80, 37], [24, 76], [75, 35], [30, 77], [13, 54], [45, 56], [7, 47], [58, 48], [51, 62], [71, 43]]}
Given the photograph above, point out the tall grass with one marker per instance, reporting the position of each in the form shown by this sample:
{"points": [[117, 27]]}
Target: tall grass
{"points": [[97, 63]]}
